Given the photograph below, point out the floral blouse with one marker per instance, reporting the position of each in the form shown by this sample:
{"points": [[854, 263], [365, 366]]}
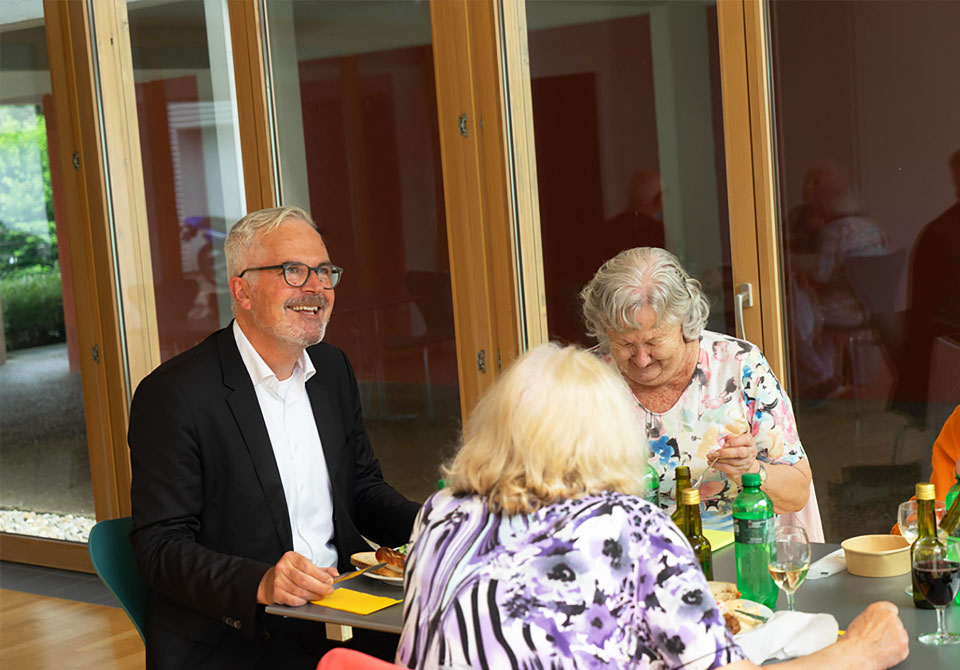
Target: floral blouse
{"points": [[732, 390], [605, 581]]}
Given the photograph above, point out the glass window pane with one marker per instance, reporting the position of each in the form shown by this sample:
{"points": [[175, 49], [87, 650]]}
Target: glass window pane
{"points": [[45, 487], [190, 147], [358, 147], [628, 130], [871, 243]]}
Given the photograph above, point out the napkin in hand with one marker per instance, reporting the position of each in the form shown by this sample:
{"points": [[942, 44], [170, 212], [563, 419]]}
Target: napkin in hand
{"points": [[355, 602], [830, 564], [789, 635]]}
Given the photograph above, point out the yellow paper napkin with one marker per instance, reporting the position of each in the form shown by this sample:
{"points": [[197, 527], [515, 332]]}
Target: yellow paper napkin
{"points": [[355, 602], [718, 538]]}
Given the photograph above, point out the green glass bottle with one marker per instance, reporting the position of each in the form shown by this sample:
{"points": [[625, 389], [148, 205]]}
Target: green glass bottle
{"points": [[651, 482], [953, 492], [682, 477], [753, 525], [950, 526], [926, 537], [692, 527]]}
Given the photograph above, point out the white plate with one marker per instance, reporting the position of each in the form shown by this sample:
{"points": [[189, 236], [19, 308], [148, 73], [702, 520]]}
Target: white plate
{"points": [[751, 607], [396, 581]]}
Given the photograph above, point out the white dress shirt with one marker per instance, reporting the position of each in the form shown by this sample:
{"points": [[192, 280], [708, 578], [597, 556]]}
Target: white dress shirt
{"points": [[296, 444]]}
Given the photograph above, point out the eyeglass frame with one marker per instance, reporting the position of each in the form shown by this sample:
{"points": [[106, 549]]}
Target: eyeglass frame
{"points": [[335, 272]]}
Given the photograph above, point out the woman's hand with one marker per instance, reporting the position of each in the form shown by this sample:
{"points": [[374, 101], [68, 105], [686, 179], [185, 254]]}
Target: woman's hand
{"points": [[736, 456]]}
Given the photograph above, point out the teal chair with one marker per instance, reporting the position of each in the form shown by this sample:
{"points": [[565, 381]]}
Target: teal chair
{"points": [[116, 565]]}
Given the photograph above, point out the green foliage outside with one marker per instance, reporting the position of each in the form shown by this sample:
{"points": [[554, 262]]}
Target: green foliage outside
{"points": [[32, 308], [30, 288]]}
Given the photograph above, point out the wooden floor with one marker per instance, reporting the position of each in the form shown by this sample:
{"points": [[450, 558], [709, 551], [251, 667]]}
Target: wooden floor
{"points": [[44, 633]]}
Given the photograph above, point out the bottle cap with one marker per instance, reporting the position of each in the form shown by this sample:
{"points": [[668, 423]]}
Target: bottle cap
{"points": [[751, 479], [926, 491], [683, 471], [690, 496]]}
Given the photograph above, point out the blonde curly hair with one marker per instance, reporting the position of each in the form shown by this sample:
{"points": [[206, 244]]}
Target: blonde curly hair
{"points": [[559, 424]]}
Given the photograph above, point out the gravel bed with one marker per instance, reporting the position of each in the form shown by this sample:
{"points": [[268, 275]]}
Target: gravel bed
{"points": [[69, 527]]}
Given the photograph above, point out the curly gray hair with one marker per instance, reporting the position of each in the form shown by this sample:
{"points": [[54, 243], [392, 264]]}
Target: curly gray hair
{"points": [[246, 231], [635, 278]]}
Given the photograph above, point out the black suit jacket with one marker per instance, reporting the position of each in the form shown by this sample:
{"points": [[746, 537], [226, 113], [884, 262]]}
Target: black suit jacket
{"points": [[209, 513]]}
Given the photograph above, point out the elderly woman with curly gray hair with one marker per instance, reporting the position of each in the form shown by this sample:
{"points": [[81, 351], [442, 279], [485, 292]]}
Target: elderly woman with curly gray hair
{"points": [[707, 400]]}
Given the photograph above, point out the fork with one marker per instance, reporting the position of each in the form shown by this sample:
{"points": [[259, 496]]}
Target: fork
{"points": [[710, 464]]}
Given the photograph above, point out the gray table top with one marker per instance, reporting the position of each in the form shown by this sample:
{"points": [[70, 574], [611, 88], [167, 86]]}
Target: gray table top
{"points": [[842, 595]]}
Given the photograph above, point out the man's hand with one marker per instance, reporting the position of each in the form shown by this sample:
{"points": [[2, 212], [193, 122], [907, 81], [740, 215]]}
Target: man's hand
{"points": [[880, 634], [294, 581]]}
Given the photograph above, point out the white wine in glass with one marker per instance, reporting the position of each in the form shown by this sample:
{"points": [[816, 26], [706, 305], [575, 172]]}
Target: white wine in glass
{"points": [[789, 560]]}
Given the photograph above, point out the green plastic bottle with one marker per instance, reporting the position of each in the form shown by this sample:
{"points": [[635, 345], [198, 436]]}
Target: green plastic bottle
{"points": [[651, 481], [682, 478], [692, 527], [753, 526]]}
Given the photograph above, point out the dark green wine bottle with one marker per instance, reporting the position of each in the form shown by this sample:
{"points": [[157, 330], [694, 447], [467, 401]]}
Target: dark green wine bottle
{"points": [[753, 535], [692, 527], [682, 478], [926, 537]]}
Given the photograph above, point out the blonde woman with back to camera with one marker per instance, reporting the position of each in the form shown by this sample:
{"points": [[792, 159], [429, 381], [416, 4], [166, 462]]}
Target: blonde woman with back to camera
{"points": [[541, 551]]}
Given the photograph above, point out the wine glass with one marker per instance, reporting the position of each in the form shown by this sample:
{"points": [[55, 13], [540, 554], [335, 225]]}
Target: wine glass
{"points": [[938, 579], [789, 560], [907, 523]]}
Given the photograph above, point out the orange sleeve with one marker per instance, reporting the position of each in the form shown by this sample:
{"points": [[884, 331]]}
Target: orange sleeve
{"points": [[946, 452]]}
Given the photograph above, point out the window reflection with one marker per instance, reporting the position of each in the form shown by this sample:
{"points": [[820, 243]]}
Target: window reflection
{"points": [[189, 143], [358, 145], [628, 131], [871, 234]]}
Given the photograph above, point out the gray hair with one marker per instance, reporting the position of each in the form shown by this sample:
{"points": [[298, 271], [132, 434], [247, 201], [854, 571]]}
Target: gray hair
{"points": [[642, 277], [247, 230]]}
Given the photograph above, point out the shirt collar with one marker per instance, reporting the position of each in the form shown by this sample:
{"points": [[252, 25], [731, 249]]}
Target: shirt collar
{"points": [[258, 369]]}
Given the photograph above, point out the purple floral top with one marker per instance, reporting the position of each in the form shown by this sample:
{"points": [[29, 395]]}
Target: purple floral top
{"points": [[732, 390], [606, 581]]}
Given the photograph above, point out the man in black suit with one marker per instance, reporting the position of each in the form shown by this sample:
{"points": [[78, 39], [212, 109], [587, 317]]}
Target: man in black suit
{"points": [[253, 475]]}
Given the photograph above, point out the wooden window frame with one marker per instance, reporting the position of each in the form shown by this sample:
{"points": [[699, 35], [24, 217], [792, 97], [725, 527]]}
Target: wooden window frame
{"points": [[748, 145]]}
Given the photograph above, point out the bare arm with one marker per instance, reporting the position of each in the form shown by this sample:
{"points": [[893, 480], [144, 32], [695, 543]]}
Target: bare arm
{"points": [[875, 640]]}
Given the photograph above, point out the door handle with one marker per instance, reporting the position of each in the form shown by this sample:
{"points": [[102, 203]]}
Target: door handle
{"points": [[743, 298]]}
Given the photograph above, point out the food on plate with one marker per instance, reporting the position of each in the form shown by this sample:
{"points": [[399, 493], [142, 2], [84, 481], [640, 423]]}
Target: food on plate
{"points": [[748, 614], [365, 559], [724, 592], [393, 558]]}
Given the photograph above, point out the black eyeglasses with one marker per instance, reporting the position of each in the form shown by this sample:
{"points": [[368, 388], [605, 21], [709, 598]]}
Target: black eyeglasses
{"points": [[297, 274]]}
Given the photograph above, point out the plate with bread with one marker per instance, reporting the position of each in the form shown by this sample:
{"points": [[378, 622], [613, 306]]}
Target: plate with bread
{"points": [[739, 614], [391, 573]]}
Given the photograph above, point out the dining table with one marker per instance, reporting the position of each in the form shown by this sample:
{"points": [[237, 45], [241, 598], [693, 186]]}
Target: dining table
{"points": [[843, 595]]}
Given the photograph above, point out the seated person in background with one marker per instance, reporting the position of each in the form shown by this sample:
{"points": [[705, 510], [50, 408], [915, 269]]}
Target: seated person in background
{"points": [[946, 455], [945, 459], [253, 475], [540, 553], [705, 400]]}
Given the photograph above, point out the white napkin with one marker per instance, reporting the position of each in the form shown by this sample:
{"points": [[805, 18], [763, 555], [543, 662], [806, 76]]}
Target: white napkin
{"points": [[789, 635], [830, 564]]}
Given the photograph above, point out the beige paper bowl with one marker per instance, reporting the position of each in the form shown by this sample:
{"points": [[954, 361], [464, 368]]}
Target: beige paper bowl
{"points": [[877, 555]]}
